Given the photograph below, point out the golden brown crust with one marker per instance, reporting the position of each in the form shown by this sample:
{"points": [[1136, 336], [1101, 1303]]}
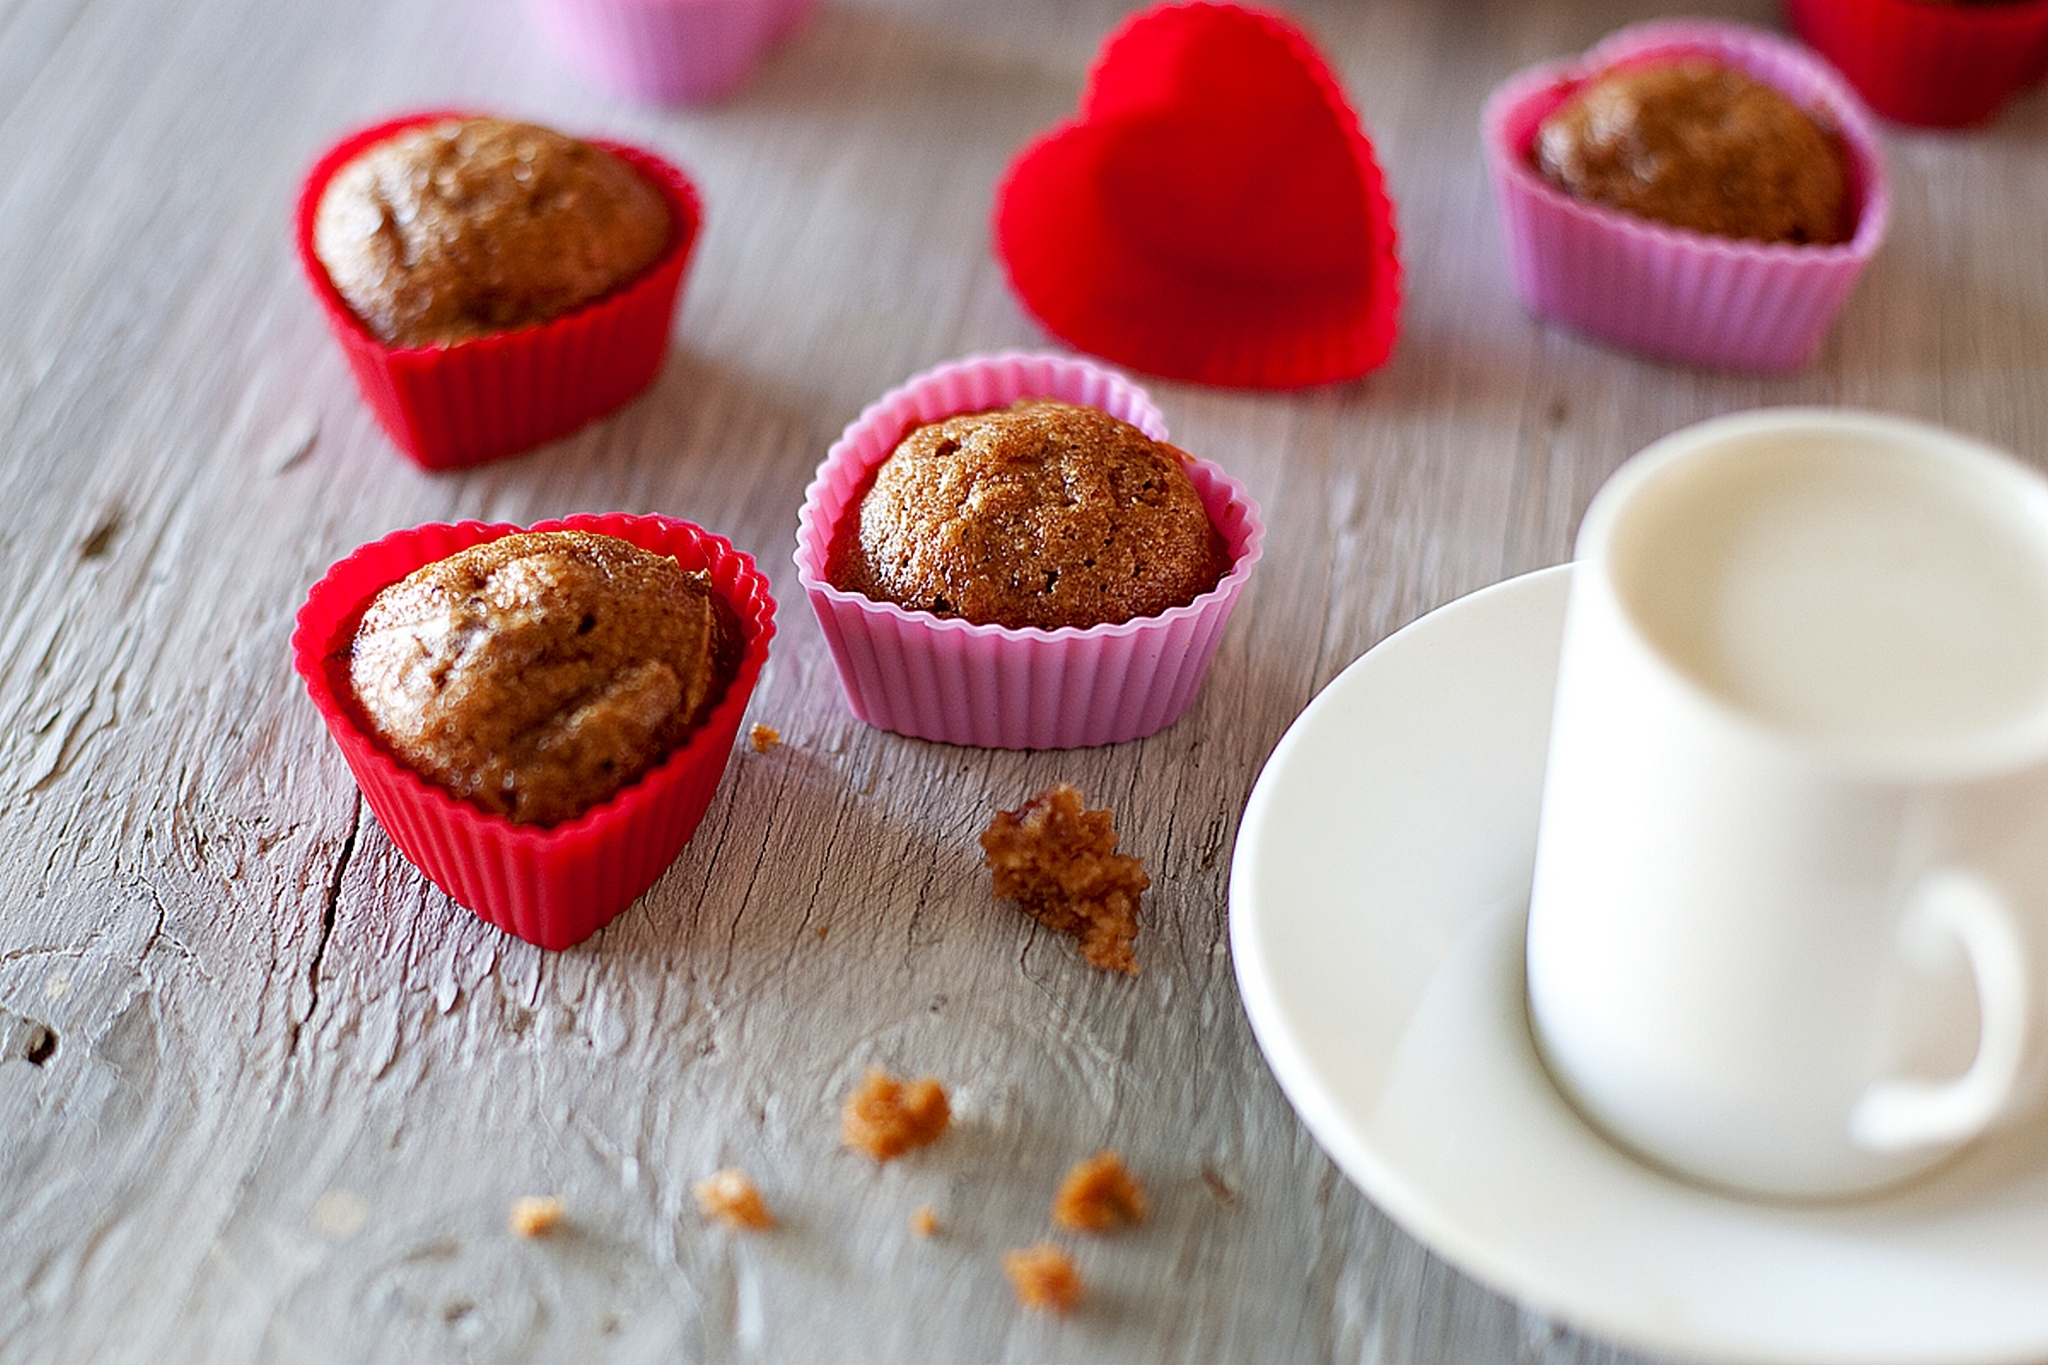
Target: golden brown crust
{"points": [[1699, 145], [466, 227], [1043, 514], [1099, 1195], [886, 1117], [537, 674], [1058, 861]]}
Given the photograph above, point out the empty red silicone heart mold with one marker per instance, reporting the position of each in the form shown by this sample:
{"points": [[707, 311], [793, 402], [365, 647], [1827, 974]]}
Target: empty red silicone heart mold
{"points": [[1213, 213]]}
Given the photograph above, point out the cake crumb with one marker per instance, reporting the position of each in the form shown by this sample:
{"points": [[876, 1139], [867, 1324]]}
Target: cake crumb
{"points": [[925, 1222], [886, 1117], [731, 1197], [1058, 861], [1099, 1195], [1044, 1277], [824, 929], [535, 1215], [763, 738]]}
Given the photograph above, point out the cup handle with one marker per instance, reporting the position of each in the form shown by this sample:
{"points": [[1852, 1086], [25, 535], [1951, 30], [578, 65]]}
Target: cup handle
{"points": [[1894, 1115]]}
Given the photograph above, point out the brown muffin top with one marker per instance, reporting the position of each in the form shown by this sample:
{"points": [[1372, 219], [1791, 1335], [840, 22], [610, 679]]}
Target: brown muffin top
{"points": [[537, 674], [1043, 514], [466, 227], [1699, 145]]}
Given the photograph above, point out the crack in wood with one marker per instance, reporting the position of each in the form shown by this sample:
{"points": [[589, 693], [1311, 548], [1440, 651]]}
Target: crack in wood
{"points": [[101, 537], [329, 907]]}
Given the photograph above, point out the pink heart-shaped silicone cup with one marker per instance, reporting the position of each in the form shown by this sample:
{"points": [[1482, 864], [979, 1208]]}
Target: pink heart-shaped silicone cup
{"points": [[1214, 212]]}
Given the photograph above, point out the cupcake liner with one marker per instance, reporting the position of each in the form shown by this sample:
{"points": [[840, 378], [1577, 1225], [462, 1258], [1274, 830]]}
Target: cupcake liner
{"points": [[461, 404], [555, 886], [1668, 292], [669, 51], [1213, 213], [1934, 65], [946, 679]]}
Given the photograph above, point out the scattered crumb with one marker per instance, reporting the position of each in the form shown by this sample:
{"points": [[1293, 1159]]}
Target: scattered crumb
{"points": [[764, 738], [1044, 1277], [886, 1117], [1058, 860], [1099, 1195], [535, 1215], [925, 1222], [731, 1197], [824, 929]]}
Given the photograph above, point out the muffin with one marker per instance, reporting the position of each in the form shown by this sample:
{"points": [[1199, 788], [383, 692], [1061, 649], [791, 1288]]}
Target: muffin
{"points": [[465, 227], [494, 285], [1761, 262], [1700, 145], [1043, 514], [535, 675], [551, 884], [950, 678]]}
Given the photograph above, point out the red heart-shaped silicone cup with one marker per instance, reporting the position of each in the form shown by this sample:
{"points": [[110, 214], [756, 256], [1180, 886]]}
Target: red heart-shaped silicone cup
{"points": [[1214, 213]]}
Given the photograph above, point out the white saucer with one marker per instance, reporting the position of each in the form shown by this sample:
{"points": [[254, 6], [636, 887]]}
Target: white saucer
{"points": [[1377, 901]]}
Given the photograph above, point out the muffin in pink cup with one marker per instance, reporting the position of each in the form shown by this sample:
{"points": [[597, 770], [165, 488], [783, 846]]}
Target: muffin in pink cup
{"points": [[669, 51], [552, 884], [451, 394], [1672, 292], [1932, 63], [942, 677]]}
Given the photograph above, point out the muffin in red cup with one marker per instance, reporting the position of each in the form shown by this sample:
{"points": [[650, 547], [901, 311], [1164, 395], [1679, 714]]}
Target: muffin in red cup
{"points": [[552, 884], [1932, 63], [537, 298]]}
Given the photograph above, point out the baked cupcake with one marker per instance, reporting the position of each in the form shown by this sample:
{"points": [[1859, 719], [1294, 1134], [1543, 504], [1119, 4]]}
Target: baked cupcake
{"points": [[1926, 62], [1044, 514], [1654, 197], [669, 51], [541, 771], [535, 675], [495, 285], [1697, 144], [936, 674]]}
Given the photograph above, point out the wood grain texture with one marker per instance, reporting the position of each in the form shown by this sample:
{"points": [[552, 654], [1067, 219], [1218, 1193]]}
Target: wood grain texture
{"points": [[265, 1095]]}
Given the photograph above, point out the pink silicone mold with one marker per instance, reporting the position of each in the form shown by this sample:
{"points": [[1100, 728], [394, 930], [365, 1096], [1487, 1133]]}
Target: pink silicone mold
{"points": [[1665, 291], [946, 679], [669, 51]]}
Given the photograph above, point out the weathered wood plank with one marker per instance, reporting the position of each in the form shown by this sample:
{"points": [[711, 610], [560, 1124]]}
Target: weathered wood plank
{"points": [[265, 1095]]}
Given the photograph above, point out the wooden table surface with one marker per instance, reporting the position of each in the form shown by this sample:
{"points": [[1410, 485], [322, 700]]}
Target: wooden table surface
{"points": [[267, 1095]]}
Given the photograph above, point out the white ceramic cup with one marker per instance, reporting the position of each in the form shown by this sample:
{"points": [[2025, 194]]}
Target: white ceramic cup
{"points": [[1794, 844]]}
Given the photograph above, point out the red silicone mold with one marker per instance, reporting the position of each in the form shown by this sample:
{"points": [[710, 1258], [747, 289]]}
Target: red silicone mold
{"points": [[462, 404], [1213, 213], [555, 886], [1934, 65]]}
